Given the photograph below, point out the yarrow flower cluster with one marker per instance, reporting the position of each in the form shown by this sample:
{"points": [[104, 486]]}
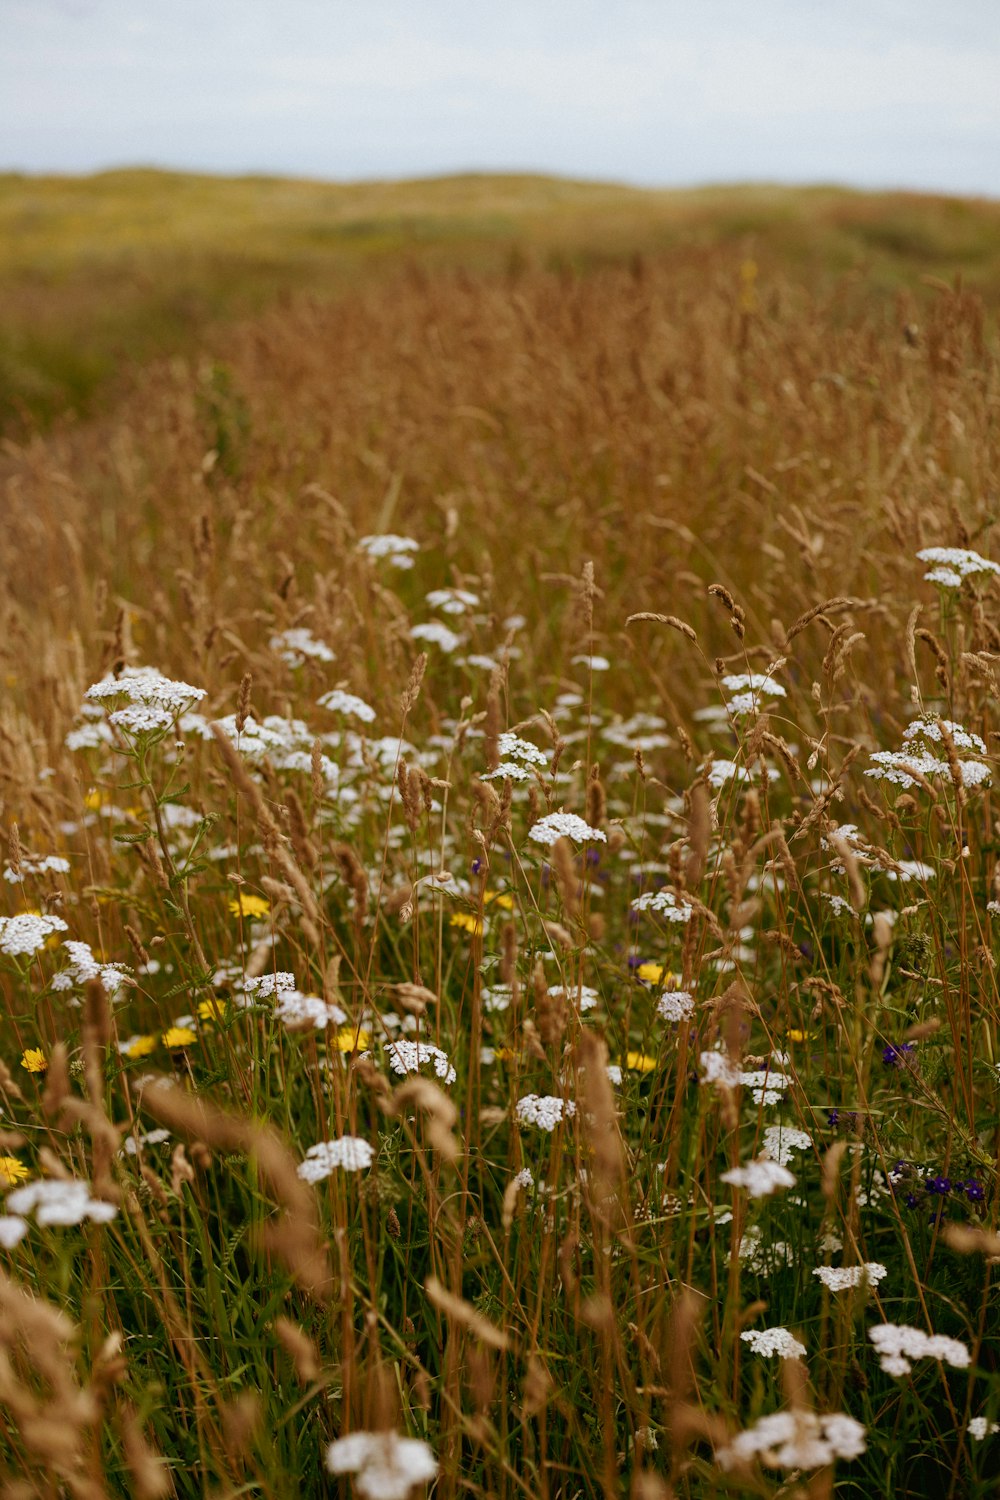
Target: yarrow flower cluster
{"points": [[675, 1006], [544, 1111], [294, 646], [562, 825], [153, 703], [768, 1341], [396, 549], [387, 1466], [781, 1142], [53, 864], [83, 967], [438, 634], [896, 766], [980, 1428], [349, 1152], [745, 690], [407, 1057], [28, 932], [898, 1345], [297, 1010], [760, 1177], [665, 904], [57, 1202], [340, 702], [845, 1278], [795, 1440], [452, 601], [953, 565]]}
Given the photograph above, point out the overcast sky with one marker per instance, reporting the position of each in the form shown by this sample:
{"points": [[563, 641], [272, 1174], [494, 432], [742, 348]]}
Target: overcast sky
{"points": [[878, 93]]}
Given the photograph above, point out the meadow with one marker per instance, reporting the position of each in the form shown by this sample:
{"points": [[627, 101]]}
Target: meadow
{"points": [[499, 930]]}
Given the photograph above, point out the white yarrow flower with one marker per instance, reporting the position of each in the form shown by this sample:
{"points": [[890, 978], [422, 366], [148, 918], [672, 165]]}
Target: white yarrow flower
{"points": [[760, 1178], [28, 932], [544, 1111], [561, 825], [57, 1202], [768, 1341], [349, 1152], [387, 1466], [898, 1345], [845, 1278], [795, 1440], [408, 1057], [340, 702]]}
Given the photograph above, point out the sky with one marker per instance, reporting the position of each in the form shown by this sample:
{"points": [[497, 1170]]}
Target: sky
{"points": [[872, 93]]}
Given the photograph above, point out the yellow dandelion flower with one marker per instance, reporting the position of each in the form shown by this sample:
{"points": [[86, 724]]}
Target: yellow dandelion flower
{"points": [[139, 1046], [658, 974], [95, 799], [211, 1010], [795, 1035], [467, 922], [504, 1054], [247, 905], [178, 1036], [499, 898], [640, 1062], [350, 1040], [34, 1060], [11, 1171]]}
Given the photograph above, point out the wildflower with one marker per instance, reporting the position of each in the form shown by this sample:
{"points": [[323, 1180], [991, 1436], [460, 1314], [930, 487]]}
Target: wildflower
{"points": [[387, 1466], [974, 1191], [297, 1010], [83, 967], [60, 1202], [795, 1035], [176, 1037], [152, 1138], [761, 1178], [782, 1141], [395, 548], [293, 646], [675, 1006], [452, 601], [952, 565], [665, 904], [30, 931], [348, 1152], [438, 634], [247, 905], [844, 1278], [898, 1345], [938, 1184], [795, 1440], [979, 1427], [138, 1046], [595, 663], [268, 985], [511, 747], [507, 770], [545, 1111], [748, 688], [211, 1010], [466, 921], [407, 1057], [503, 899], [28, 865], [12, 1230], [768, 1341], [639, 1062], [564, 825], [351, 1039], [339, 702], [34, 1060], [896, 1057], [838, 905], [11, 1171]]}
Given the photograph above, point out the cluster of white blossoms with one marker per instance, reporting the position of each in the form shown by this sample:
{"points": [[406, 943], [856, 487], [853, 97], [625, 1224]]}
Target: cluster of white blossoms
{"points": [[50, 864], [12, 1230], [767, 1085], [933, 730], [781, 1142], [845, 1278], [132, 1144], [675, 1005], [896, 766], [408, 1057], [952, 565], [760, 1177], [452, 601], [545, 1111], [387, 1466], [438, 634], [297, 1010], [665, 904], [295, 645], [54, 1201], [153, 703], [28, 932], [516, 755], [269, 986], [340, 702], [583, 996], [396, 549], [898, 1345], [83, 967], [562, 825], [349, 1152], [980, 1428], [795, 1440], [745, 690], [768, 1341]]}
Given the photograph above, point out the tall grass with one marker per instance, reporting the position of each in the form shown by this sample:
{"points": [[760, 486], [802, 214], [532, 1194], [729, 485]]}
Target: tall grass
{"points": [[623, 487]]}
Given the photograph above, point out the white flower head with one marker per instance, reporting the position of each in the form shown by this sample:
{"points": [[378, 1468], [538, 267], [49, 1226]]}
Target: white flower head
{"points": [[561, 825], [768, 1341], [675, 1006], [438, 634], [28, 932], [408, 1057], [795, 1440], [544, 1111], [760, 1178], [340, 702], [898, 1345], [60, 1202], [845, 1278], [387, 1466], [397, 550], [295, 645], [952, 565], [665, 904], [348, 1152]]}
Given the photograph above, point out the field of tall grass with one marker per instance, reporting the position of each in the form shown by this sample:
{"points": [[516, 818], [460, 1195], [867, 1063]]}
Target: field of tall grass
{"points": [[501, 902]]}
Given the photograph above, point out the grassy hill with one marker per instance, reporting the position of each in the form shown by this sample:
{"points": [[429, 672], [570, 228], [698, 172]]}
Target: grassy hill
{"points": [[100, 273]]}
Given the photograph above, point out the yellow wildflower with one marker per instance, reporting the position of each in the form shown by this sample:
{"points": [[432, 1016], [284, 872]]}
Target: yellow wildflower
{"points": [[212, 1010], [658, 974], [95, 799], [505, 1054], [640, 1062], [34, 1060], [247, 905], [350, 1040], [178, 1036], [139, 1046], [11, 1171], [795, 1035], [499, 898], [467, 922]]}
